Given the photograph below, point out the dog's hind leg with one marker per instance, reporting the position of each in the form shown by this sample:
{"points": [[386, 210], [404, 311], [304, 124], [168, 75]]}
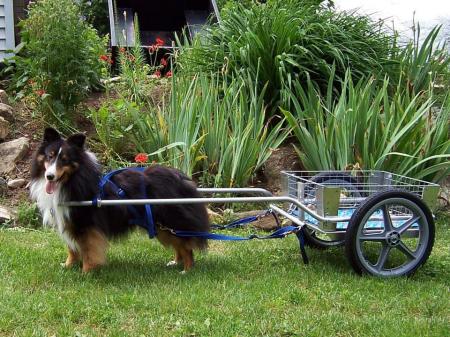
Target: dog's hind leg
{"points": [[188, 258], [72, 258], [169, 240], [93, 250], [176, 260]]}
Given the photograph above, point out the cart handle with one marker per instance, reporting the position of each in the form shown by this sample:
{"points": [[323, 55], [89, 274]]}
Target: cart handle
{"points": [[180, 201]]}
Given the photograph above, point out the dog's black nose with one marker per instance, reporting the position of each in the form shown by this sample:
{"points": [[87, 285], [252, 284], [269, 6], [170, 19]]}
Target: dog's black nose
{"points": [[50, 177]]}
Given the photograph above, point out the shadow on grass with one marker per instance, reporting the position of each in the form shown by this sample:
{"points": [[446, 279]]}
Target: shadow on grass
{"points": [[129, 270]]}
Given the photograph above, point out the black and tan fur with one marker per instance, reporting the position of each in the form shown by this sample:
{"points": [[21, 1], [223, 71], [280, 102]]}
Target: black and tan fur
{"points": [[63, 170]]}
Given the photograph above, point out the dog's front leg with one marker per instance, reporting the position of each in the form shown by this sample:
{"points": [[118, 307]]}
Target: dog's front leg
{"points": [[72, 258], [93, 248]]}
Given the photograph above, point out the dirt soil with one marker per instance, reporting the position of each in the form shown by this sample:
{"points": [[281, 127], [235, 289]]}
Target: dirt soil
{"points": [[27, 125], [24, 125]]}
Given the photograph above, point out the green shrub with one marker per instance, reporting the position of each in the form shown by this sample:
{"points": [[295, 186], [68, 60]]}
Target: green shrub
{"points": [[28, 215], [208, 128], [112, 122], [96, 14], [60, 62], [422, 66], [369, 128], [238, 140], [288, 40]]}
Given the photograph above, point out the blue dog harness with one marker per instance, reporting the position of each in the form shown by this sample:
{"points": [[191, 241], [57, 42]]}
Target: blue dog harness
{"points": [[146, 220]]}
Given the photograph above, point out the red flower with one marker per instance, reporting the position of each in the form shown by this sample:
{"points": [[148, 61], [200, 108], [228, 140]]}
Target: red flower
{"points": [[169, 74], [163, 62], [157, 74], [40, 92], [122, 49], [106, 58], [141, 158], [153, 48], [159, 42]]}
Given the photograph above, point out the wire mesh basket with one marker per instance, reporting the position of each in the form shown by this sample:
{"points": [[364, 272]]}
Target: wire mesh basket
{"points": [[351, 188]]}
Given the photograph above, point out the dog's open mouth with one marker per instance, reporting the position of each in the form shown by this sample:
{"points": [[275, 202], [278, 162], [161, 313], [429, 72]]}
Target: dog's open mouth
{"points": [[50, 186]]}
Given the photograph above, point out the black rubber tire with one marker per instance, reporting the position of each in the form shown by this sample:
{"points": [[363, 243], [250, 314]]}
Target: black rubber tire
{"points": [[311, 240], [323, 177], [364, 208]]}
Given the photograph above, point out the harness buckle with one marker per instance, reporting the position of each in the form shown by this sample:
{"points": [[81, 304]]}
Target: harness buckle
{"points": [[172, 231]]}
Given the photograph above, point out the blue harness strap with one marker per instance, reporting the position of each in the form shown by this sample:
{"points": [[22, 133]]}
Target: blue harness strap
{"points": [[145, 221], [278, 234]]}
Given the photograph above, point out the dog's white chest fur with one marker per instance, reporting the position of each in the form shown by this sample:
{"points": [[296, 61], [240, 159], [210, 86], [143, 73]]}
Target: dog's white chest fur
{"points": [[53, 214]]}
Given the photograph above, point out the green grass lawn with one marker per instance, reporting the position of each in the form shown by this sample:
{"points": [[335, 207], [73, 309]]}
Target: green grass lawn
{"points": [[257, 288]]}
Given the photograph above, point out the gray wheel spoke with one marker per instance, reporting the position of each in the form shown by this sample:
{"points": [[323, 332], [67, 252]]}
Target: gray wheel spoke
{"points": [[383, 257], [407, 224], [405, 250], [374, 237], [387, 219]]}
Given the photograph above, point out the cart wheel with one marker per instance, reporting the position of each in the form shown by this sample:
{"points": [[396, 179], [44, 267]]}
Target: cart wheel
{"points": [[349, 185], [390, 234], [317, 240]]}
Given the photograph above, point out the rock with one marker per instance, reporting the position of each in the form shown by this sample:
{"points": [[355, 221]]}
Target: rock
{"points": [[214, 217], [444, 195], [11, 152], [3, 187], [4, 128], [6, 112], [17, 183], [266, 223], [5, 214], [3, 97], [282, 159]]}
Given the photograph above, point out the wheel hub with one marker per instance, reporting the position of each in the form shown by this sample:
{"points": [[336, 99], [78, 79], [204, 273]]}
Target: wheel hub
{"points": [[393, 238]]}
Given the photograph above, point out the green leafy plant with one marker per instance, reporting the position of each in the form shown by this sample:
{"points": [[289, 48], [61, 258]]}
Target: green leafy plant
{"points": [[367, 128], [281, 41], [207, 127], [28, 215], [96, 13], [112, 122], [238, 139], [421, 66], [60, 61], [133, 69], [137, 76]]}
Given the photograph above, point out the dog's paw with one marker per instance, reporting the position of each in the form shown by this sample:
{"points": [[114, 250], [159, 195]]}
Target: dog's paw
{"points": [[66, 265], [171, 263], [183, 272]]}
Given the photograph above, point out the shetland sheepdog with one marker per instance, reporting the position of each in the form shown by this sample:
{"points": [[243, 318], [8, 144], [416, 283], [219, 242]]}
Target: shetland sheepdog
{"points": [[63, 170]]}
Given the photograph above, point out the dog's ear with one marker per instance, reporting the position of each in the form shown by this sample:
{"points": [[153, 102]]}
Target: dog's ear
{"points": [[77, 139], [51, 135]]}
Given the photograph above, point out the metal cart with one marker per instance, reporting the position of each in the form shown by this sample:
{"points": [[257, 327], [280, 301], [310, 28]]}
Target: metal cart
{"points": [[383, 219]]}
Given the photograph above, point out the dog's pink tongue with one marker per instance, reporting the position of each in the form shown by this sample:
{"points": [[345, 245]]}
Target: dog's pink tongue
{"points": [[50, 187]]}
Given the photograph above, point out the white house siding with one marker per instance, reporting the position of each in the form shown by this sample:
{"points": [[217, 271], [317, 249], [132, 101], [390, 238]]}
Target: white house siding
{"points": [[6, 28]]}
